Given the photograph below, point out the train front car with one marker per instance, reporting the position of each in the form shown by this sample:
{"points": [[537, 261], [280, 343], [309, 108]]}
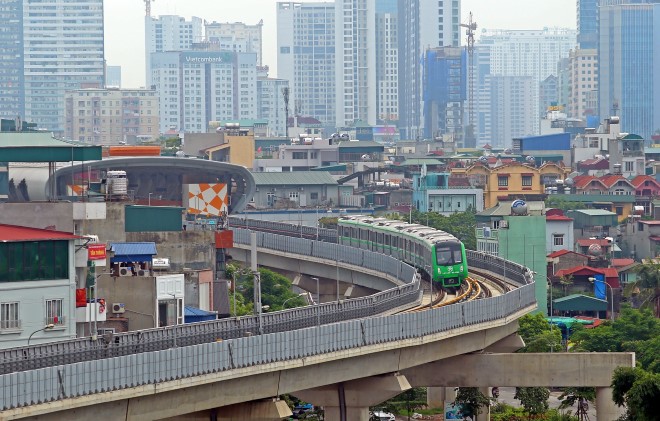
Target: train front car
{"points": [[450, 263]]}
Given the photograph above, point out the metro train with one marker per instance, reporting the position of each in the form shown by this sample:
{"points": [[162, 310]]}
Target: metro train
{"points": [[438, 254]]}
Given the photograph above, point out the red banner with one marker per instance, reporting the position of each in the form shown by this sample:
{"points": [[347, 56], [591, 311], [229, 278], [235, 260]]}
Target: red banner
{"points": [[96, 252], [81, 297]]}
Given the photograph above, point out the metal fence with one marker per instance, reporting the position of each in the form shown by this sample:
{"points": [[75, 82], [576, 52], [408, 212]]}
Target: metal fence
{"points": [[89, 377], [148, 340], [49, 372], [281, 228]]}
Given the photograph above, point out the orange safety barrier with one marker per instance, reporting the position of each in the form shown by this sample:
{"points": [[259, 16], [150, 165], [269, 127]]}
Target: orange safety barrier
{"points": [[134, 151]]}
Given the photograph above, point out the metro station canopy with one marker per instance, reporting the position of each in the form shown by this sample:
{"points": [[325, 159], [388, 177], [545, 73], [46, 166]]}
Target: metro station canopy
{"points": [[42, 147]]}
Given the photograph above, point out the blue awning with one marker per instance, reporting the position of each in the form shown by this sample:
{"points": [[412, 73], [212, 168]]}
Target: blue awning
{"points": [[133, 252], [194, 315]]}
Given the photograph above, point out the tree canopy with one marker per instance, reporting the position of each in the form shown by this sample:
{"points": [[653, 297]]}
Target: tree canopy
{"points": [[538, 334], [639, 390], [460, 224]]}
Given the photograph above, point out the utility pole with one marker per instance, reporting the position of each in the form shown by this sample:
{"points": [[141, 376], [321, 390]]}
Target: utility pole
{"points": [[285, 93]]}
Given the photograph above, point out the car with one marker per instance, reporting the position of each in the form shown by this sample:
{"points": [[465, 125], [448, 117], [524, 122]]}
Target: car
{"points": [[301, 410], [382, 416]]}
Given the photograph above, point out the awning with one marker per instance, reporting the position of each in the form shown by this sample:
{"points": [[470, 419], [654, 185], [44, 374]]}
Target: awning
{"points": [[194, 315], [133, 252], [579, 302]]}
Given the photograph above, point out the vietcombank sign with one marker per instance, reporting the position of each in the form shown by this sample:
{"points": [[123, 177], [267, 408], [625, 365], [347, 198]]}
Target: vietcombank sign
{"points": [[206, 57]]}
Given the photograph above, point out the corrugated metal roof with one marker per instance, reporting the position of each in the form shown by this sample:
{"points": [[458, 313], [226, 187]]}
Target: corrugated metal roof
{"points": [[348, 144], [134, 249], [578, 302], [596, 212], [295, 178], [12, 233]]}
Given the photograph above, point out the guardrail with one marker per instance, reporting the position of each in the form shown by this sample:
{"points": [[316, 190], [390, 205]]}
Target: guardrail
{"points": [[148, 340], [56, 371], [281, 228]]}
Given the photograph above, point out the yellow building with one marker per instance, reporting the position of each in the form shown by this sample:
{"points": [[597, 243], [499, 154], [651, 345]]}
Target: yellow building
{"points": [[513, 178], [232, 145]]}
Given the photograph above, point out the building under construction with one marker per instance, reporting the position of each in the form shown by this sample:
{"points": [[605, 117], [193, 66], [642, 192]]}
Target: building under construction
{"points": [[445, 76]]}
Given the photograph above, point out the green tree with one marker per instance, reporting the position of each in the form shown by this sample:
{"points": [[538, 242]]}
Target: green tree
{"points": [[580, 396], [409, 401], [639, 391], [627, 333], [647, 286], [538, 334], [533, 399], [275, 290], [471, 401], [460, 224], [558, 202]]}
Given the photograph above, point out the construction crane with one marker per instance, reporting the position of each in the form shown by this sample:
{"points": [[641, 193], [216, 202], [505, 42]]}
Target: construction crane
{"points": [[471, 27], [147, 7]]}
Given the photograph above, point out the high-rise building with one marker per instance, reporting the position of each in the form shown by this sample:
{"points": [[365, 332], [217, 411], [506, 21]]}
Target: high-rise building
{"points": [[422, 24], [513, 108], [270, 103], [169, 33], [587, 24], [113, 77], [445, 77], [355, 62], [527, 52], [196, 87], [63, 50], [479, 72], [583, 79], [387, 62], [547, 94], [629, 53], [110, 116], [237, 37], [532, 53], [306, 58], [12, 96]]}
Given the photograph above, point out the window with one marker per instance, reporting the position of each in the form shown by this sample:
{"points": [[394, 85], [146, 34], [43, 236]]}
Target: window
{"points": [[299, 155], [9, 317], [629, 166], [314, 196], [54, 312], [527, 180], [34, 260], [503, 181], [294, 196], [558, 239]]}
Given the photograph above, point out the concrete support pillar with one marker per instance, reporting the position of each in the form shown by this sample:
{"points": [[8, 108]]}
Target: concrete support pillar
{"points": [[271, 410], [351, 400], [606, 409], [485, 412], [450, 394], [435, 397]]}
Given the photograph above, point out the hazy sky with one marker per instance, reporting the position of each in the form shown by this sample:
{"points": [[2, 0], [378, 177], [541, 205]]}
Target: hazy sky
{"points": [[124, 23]]}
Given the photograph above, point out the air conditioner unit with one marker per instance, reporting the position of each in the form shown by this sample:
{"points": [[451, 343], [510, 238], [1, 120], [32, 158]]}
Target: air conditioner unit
{"points": [[504, 224], [118, 308], [143, 272], [125, 272]]}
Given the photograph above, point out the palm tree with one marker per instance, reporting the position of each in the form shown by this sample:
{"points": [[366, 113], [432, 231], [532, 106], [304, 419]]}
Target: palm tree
{"points": [[647, 286]]}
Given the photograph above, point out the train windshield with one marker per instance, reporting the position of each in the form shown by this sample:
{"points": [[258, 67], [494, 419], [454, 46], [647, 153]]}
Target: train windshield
{"points": [[448, 254]]}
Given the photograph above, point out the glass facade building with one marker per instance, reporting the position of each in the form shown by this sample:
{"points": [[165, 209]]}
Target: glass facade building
{"points": [[11, 59], [629, 50], [587, 24]]}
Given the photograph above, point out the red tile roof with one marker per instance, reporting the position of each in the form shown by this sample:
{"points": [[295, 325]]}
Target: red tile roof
{"points": [[611, 274], [563, 252], [622, 262], [637, 181], [557, 218], [610, 180], [581, 181], [650, 222], [10, 233], [586, 242]]}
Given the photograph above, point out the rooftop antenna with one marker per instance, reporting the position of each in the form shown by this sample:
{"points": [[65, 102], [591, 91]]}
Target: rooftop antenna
{"points": [[147, 7], [471, 27]]}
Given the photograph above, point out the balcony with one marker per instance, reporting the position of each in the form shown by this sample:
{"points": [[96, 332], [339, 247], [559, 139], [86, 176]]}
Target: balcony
{"points": [[487, 233]]}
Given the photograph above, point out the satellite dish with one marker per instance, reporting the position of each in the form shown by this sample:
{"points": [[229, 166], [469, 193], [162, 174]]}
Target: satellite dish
{"points": [[530, 159]]}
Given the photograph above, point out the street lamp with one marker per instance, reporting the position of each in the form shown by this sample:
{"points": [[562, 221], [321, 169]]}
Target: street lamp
{"points": [[592, 279], [150, 198], [291, 298], [47, 327]]}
